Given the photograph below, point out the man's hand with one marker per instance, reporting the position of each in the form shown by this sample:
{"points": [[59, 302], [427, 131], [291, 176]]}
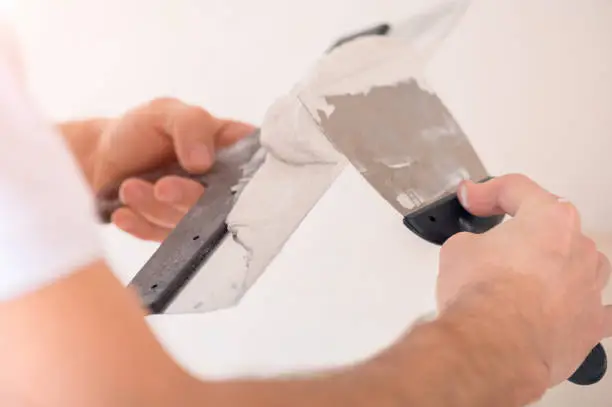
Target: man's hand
{"points": [[559, 272], [146, 138]]}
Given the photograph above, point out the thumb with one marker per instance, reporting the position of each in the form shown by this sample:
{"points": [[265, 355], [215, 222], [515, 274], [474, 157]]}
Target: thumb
{"points": [[193, 131], [502, 195], [197, 135], [478, 199]]}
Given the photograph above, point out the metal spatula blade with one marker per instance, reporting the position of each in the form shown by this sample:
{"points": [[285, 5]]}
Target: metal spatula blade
{"points": [[404, 141]]}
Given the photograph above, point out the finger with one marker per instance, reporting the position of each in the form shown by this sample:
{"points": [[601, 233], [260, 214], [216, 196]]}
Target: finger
{"points": [[192, 130], [137, 226], [140, 197], [181, 193], [233, 131], [604, 269], [504, 195]]}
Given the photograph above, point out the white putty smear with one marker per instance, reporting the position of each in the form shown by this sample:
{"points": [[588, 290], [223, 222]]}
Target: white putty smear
{"points": [[301, 164]]}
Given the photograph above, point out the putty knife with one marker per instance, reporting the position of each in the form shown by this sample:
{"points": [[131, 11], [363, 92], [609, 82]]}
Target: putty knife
{"points": [[410, 149]]}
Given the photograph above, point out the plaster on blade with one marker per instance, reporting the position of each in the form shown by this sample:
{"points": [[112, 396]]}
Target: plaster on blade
{"points": [[404, 142]]}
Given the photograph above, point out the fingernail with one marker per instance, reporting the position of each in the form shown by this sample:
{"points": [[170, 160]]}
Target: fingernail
{"points": [[463, 196], [200, 156], [563, 200], [123, 221], [131, 192], [169, 193]]}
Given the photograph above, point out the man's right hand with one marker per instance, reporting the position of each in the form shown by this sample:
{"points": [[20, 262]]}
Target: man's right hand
{"points": [[556, 272]]}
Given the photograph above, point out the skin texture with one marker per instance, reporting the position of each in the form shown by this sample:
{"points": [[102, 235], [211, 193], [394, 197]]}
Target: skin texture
{"points": [[520, 307], [149, 136]]}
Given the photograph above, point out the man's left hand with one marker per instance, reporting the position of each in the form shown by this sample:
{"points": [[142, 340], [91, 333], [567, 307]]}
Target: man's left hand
{"points": [[148, 137]]}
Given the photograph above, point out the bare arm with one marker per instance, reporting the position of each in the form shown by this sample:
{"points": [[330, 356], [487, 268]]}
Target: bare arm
{"points": [[503, 335], [84, 341], [462, 359]]}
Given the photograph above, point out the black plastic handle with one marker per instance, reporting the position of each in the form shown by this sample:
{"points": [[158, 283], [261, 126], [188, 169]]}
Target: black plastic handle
{"points": [[446, 217], [593, 369], [377, 30], [442, 219]]}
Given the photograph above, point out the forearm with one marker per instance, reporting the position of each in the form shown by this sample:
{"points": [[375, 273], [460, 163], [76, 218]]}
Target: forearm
{"points": [[82, 138], [83, 341], [90, 332], [477, 354]]}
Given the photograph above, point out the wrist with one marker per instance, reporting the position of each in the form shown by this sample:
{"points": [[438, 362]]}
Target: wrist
{"points": [[481, 351], [499, 323]]}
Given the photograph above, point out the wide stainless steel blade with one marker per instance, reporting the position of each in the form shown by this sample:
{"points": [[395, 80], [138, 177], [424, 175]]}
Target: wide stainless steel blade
{"points": [[402, 139], [200, 232]]}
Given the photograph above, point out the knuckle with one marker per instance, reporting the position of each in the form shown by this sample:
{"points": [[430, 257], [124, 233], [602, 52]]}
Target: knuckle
{"points": [[196, 112], [558, 247], [604, 261], [567, 209], [566, 215], [603, 274], [518, 178], [163, 102], [195, 116], [590, 246]]}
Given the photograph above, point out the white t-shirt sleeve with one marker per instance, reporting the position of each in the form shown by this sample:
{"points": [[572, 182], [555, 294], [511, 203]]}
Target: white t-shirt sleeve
{"points": [[48, 227]]}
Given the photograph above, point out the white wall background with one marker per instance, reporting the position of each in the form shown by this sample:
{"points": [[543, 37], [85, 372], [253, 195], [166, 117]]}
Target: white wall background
{"points": [[100, 57]]}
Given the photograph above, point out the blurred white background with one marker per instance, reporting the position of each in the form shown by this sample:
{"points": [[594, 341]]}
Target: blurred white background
{"points": [[234, 57]]}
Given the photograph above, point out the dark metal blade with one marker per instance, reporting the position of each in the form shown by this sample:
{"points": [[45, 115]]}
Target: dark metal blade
{"points": [[198, 234]]}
